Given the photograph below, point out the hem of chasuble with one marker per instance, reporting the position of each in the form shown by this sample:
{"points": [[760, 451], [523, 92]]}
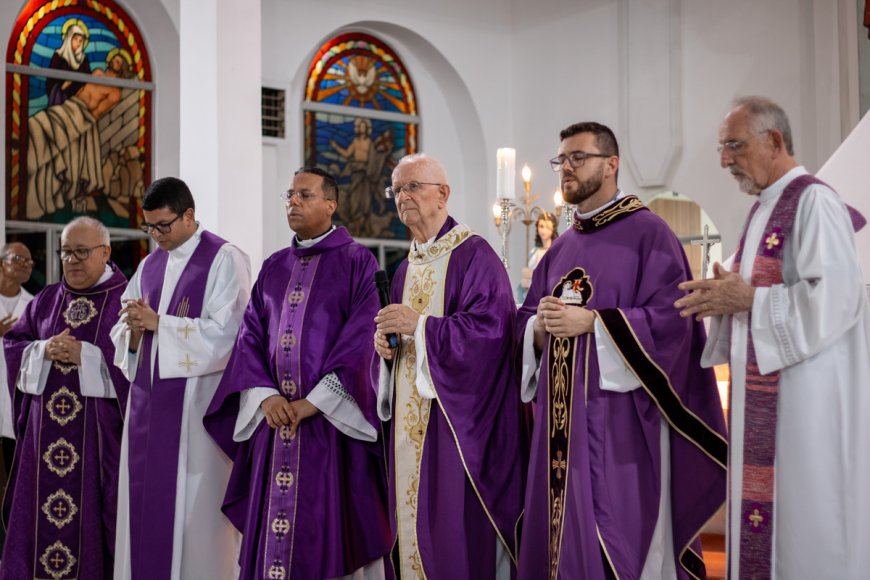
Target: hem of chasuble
{"points": [[443, 247], [658, 385], [510, 553]]}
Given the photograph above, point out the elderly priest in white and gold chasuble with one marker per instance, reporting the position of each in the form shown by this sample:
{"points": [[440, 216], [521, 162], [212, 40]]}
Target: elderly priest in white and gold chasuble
{"points": [[449, 393]]}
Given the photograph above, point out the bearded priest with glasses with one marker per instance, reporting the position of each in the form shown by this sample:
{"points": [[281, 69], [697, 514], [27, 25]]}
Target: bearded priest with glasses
{"points": [[628, 449], [68, 403], [181, 313]]}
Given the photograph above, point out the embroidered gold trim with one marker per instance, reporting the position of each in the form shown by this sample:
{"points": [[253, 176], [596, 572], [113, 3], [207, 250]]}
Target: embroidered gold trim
{"points": [[59, 508], [61, 457], [58, 560], [63, 406], [79, 311], [626, 205], [446, 244], [64, 367]]}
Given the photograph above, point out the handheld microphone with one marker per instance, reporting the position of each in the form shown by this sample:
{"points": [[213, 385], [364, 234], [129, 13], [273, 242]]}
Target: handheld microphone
{"points": [[382, 284]]}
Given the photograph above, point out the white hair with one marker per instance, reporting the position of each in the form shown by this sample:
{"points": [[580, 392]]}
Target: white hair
{"points": [[85, 221], [425, 160]]}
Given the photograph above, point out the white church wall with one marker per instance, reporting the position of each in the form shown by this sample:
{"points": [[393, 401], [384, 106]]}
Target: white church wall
{"points": [[791, 55], [458, 54]]}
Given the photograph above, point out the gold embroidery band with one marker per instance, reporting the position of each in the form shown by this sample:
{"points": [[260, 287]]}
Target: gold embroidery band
{"points": [[561, 361]]}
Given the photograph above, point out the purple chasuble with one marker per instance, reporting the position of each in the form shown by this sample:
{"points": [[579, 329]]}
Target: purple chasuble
{"points": [[594, 482], [156, 407], [311, 505], [471, 474], [61, 503], [757, 500]]}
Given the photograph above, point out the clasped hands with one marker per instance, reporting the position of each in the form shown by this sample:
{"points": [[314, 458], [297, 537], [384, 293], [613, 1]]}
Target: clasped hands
{"points": [[395, 319], [6, 323], [64, 348], [724, 293], [280, 412], [561, 320]]}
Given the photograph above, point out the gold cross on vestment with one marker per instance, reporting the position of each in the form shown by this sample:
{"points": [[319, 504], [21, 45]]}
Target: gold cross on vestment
{"points": [[756, 518], [63, 406], [559, 464], [187, 363], [186, 330], [61, 457], [59, 509], [57, 560], [772, 240]]}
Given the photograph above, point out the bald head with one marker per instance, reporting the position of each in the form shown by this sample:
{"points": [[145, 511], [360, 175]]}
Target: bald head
{"points": [[423, 164], [423, 192], [88, 223]]}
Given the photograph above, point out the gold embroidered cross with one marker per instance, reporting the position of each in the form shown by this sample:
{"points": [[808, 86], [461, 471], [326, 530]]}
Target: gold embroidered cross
{"points": [[57, 560], [284, 479], [62, 457], [756, 518], [186, 330], [60, 510], [187, 363], [559, 464], [772, 240], [280, 526], [63, 406]]}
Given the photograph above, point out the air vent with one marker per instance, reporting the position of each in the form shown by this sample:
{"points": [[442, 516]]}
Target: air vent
{"points": [[273, 112]]}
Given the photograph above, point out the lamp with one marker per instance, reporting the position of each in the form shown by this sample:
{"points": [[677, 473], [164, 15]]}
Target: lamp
{"points": [[505, 210]]}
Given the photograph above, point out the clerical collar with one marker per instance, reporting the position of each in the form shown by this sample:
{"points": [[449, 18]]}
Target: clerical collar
{"points": [[620, 207], [422, 247], [313, 241], [585, 216], [773, 191], [107, 273]]}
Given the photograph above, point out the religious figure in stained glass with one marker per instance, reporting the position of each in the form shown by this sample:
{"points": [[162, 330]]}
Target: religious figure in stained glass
{"points": [[78, 128], [360, 119]]}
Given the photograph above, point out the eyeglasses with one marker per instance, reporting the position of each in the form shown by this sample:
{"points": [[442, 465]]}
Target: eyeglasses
{"points": [[575, 158], [394, 191], [81, 254], [163, 228], [20, 260], [734, 147], [304, 195]]}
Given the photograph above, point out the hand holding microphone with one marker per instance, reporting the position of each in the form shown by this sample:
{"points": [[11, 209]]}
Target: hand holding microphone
{"points": [[392, 320]]}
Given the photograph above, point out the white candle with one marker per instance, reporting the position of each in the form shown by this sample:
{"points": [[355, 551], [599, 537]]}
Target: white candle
{"points": [[557, 198], [506, 173]]}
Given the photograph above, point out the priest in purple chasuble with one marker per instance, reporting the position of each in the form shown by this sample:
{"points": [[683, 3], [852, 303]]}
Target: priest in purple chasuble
{"points": [[789, 313], [628, 450], [449, 392], [60, 506], [295, 410], [181, 314]]}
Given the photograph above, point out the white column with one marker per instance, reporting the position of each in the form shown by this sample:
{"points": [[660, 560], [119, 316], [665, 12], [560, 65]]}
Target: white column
{"points": [[221, 144]]}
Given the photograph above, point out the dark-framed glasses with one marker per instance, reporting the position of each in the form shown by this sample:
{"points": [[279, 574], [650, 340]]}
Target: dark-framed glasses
{"points": [[304, 195], [20, 260], [575, 158], [409, 188], [162, 228], [81, 254]]}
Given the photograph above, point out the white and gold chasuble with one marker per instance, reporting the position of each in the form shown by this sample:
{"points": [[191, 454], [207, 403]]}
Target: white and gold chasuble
{"points": [[424, 293]]}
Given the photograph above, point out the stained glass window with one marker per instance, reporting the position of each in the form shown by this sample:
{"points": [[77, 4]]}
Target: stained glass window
{"points": [[78, 114], [360, 118]]}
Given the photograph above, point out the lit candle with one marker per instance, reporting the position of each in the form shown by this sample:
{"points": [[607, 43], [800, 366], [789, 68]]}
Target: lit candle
{"points": [[557, 198], [506, 173], [527, 174]]}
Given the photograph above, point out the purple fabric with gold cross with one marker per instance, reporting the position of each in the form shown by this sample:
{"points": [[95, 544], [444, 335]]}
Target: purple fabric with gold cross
{"points": [[60, 506]]}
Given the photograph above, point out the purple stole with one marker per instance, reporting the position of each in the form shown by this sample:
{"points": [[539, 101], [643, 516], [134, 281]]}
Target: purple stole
{"points": [[155, 415], [284, 469], [762, 392], [61, 476]]}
